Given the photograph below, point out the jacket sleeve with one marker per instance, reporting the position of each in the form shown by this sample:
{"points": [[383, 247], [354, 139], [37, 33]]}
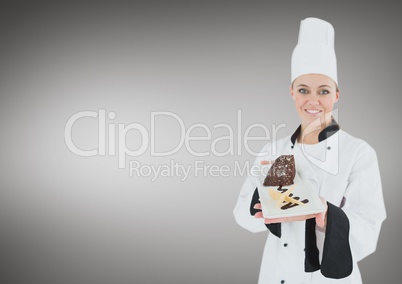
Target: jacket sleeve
{"points": [[352, 229], [364, 204]]}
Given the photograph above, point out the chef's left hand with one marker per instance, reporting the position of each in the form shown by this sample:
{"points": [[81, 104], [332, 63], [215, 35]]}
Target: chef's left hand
{"points": [[320, 218]]}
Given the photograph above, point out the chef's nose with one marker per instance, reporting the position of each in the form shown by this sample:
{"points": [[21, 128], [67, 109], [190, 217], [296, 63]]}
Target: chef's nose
{"points": [[313, 99]]}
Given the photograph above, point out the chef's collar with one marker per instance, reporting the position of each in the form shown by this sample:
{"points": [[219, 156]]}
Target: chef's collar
{"points": [[327, 132]]}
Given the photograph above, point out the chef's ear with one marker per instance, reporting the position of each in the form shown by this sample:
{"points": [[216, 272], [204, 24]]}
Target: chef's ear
{"points": [[337, 94], [291, 91]]}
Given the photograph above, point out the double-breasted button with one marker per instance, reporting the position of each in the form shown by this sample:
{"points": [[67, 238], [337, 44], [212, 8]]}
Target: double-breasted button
{"points": [[285, 244], [329, 147], [282, 281]]}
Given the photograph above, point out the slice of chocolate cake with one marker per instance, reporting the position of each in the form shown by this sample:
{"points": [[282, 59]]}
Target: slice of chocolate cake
{"points": [[282, 172]]}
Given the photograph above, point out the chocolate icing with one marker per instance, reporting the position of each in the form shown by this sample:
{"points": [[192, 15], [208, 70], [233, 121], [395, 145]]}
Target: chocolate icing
{"points": [[289, 204], [282, 172]]}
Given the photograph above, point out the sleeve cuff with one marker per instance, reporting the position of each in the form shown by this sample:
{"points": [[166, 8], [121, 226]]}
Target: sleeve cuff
{"points": [[273, 228], [337, 257], [337, 260]]}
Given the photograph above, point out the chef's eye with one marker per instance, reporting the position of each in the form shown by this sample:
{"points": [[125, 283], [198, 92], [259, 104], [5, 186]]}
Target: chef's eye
{"points": [[324, 92], [303, 91]]}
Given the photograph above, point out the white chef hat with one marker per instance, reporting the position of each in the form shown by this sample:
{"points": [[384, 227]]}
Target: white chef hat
{"points": [[314, 52]]}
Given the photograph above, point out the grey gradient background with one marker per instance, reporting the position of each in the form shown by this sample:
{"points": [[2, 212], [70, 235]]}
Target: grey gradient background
{"points": [[71, 219]]}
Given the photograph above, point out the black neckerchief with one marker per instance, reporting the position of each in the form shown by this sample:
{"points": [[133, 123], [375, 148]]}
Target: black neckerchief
{"points": [[327, 132]]}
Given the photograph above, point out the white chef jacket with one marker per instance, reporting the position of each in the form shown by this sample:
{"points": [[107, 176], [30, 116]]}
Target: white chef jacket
{"points": [[342, 169]]}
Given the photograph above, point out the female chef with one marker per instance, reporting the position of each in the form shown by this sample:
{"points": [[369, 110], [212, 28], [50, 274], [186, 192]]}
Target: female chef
{"points": [[343, 170]]}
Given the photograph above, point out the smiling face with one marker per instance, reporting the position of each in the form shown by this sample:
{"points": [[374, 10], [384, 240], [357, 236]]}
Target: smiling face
{"points": [[314, 96]]}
